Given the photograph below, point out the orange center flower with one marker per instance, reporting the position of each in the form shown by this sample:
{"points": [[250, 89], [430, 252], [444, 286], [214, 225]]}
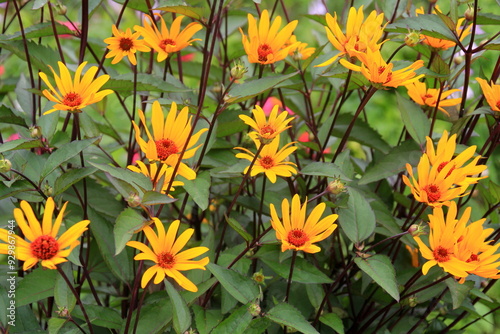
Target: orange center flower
{"points": [[433, 193], [126, 44], [263, 51], [72, 100], [267, 162], [381, 70], [297, 237], [44, 247], [165, 148], [267, 130], [442, 165], [165, 42], [166, 260], [441, 254]]}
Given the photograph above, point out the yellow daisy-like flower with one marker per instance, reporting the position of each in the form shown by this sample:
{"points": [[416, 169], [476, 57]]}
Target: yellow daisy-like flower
{"points": [[267, 129], [74, 95], [381, 74], [266, 43], [165, 41], [297, 232], [360, 34], [271, 161], [170, 135], [443, 236], [160, 178], [300, 51], [42, 242], [125, 44], [435, 187], [424, 96], [444, 155], [166, 253], [491, 93]]}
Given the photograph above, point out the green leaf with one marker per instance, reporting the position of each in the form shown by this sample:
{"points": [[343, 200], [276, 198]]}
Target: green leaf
{"points": [[333, 321], [156, 198], [7, 116], [124, 84], [182, 317], [40, 55], [416, 122], [64, 153], [139, 181], [357, 220], [236, 323], [127, 223], [243, 288], [199, 189], [327, 169], [21, 187], [487, 19], [303, 271], [135, 4], [249, 89], [55, 324], [39, 4], [205, 320], [20, 144], [287, 315], [39, 30], [439, 66], [239, 229], [458, 291], [70, 177], [100, 316], [393, 163], [381, 270], [428, 24], [192, 12], [37, 285], [62, 293]]}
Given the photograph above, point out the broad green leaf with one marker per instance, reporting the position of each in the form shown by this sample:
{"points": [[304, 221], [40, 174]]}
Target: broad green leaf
{"points": [[70, 177], [428, 24], [381, 270], [55, 324], [100, 316], [156, 198], [192, 12], [487, 19], [333, 321], [182, 317], [62, 293], [393, 163], [20, 144], [135, 4], [239, 229], [236, 323], [458, 291], [199, 189], [357, 220], [124, 84], [137, 180], [64, 153], [303, 271], [439, 66], [416, 122], [249, 89], [39, 30], [327, 169], [39, 4], [243, 288], [128, 222], [37, 285], [287, 315], [229, 123], [7, 116], [40, 55], [20, 188], [206, 320]]}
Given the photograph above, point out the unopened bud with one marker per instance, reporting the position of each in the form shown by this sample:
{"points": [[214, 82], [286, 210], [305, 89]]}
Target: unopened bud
{"points": [[133, 200], [416, 230], [336, 187], [238, 71], [254, 309], [458, 60], [469, 14], [35, 132], [412, 38], [63, 312], [412, 301], [5, 165], [217, 88], [47, 190], [260, 278]]}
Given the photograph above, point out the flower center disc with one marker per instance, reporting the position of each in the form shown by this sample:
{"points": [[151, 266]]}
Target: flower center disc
{"points": [[441, 254], [297, 237], [72, 100], [166, 260], [165, 148], [267, 162], [267, 130], [44, 247], [433, 193], [126, 44], [263, 51], [166, 42]]}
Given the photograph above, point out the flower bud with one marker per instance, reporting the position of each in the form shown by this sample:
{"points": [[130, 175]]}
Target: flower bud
{"points": [[35, 131], [217, 88], [336, 187], [416, 230], [254, 309], [5, 165], [47, 190], [133, 200], [238, 71], [412, 38], [260, 278], [63, 312], [469, 14]]}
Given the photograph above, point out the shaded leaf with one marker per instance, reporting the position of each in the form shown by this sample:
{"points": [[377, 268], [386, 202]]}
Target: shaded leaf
{"points": [[156, 198], [357, 220], [7, 116], [416, 122], [37, 285], [381, 270], [192, 12], [70, 177], [243, 288], [428, 24], [136, 180], [20, 144], [236, 323], [127, 223], [100, 316], [458, 291], [327, 169], [239, 229], [182, 317], [39, 30], [333, 321], [62, 293], [287, 315], [199, 189]]}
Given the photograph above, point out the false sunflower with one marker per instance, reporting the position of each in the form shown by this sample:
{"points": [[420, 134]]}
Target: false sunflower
{"points": [[166, 41], [301, 50], [266, 43], [360, 34], [298, 232], [160, 178], [381, 74], [491, 92], [74, 95], [267, 129], [431, 97], [165, 252], [271, 161], [124, 44], [43, 243], [170, 135]]}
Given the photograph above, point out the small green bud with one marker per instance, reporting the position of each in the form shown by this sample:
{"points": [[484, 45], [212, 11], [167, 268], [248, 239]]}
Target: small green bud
{"points": [[238, 71], [5, 165], [469, 13], [412, 38], [336, 187], [416, 230], [133, 200], [254, 309], [35, 131], [47, 190]]}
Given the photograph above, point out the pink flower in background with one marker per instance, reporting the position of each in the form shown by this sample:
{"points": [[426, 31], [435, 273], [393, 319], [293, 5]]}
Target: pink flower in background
{"points": [[14, 136], [73, 26], [271, 102], [2, 70], [188, 57], [305, 137]]}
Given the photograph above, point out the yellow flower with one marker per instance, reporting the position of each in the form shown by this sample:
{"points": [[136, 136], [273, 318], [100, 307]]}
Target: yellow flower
{"points": [[491, 93], [170, 135], [76, 94], [271, 161], [359, 36], [42, 242], [435, 187], [375, 69], [300, 51], [267, 129], [167, 41], [298, 233], [266, 43], [424, 96], [166, 253], [160, 178], [444, 155], [443, 236], [124, 44]]}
